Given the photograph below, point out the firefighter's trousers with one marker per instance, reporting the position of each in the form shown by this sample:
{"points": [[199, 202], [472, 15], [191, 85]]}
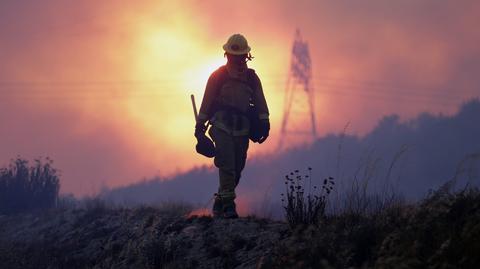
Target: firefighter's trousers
{"points": [[230, 158]]}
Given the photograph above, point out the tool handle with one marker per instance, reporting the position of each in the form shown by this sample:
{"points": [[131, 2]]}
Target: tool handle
{"points": [[195, 113]]}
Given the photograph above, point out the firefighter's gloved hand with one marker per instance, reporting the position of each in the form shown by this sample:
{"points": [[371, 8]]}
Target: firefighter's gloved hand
{"points": [[265, 130], [200, 129]]}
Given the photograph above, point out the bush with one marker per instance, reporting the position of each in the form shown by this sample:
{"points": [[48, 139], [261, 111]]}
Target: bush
{"points": [[25, 188], [303, 208]]}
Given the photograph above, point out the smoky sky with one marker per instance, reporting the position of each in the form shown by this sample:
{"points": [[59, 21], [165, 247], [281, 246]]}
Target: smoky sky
{"points": [[411, 157], [370, 59]]}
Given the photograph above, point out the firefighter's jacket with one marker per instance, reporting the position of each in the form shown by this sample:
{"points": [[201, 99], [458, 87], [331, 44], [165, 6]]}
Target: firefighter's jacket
{"points": [[229, 93]]}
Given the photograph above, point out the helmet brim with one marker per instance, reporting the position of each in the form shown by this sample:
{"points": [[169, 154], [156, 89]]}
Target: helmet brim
{"points": [[236, 52]]}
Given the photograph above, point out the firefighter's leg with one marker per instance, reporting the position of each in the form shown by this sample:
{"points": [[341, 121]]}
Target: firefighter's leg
{"points": [[241, 148], [225, 161]]}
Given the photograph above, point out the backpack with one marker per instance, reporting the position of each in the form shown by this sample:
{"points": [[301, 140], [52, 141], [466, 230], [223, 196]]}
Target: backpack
{"points": [[251, 113]]}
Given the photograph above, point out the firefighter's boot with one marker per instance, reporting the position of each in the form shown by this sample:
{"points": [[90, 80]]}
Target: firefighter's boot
{"points": [[217, 207], [229, 210]]}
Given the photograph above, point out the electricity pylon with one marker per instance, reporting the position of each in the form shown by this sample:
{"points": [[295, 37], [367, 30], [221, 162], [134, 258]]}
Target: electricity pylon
{"points": [[299, 76]]}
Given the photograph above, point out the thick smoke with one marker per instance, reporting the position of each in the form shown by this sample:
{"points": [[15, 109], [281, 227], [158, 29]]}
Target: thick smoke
{"points": [[411, 157]]}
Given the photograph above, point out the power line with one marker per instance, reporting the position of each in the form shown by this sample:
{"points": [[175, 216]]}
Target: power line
{"points": [[11, 85], [152, 88]]}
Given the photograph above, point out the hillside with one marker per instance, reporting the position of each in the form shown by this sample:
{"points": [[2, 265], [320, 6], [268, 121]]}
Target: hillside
{"points": [[442, 231]]}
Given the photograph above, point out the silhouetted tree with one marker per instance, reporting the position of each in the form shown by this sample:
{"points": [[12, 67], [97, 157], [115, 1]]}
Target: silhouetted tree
{"points": [[25, 188]]}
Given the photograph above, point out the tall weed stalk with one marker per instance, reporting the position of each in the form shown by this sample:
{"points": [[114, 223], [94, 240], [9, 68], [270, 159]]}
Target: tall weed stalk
{"points": [[302, 206]]}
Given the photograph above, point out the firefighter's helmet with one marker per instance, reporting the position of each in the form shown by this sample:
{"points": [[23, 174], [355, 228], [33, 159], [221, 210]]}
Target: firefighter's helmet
{"points": [[237, 45]]}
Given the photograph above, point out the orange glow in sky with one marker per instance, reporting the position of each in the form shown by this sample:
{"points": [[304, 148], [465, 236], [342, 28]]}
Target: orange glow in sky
{"points": [[109, 98]]}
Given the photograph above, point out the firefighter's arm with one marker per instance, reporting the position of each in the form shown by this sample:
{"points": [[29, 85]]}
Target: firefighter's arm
{"points": [[259, 100], [262, 109], [208, 99]]}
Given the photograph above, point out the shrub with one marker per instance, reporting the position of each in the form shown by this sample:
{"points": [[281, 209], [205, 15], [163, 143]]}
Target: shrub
{"points": [[301, 207], [25, 188]]}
